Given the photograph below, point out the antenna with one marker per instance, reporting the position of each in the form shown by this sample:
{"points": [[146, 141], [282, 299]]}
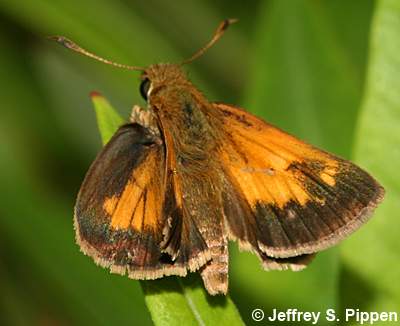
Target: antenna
{"points": [[217, 34], [74, 47]]}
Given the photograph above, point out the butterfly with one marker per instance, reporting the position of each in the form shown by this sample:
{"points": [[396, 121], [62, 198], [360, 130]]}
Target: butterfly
{"points": [[185, 175]]}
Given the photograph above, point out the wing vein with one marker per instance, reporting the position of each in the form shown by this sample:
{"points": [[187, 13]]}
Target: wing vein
{"points": [[134, 209]]}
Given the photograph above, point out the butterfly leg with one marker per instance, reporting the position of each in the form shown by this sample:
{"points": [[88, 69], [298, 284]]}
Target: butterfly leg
{"points": [[145, 118]]}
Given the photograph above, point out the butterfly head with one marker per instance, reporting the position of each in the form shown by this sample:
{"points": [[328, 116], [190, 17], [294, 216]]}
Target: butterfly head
{"points": [[162, 77]]}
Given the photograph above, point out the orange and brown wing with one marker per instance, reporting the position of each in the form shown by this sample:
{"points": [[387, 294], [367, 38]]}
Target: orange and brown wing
{"points": [[122, 207], [285, 199]]}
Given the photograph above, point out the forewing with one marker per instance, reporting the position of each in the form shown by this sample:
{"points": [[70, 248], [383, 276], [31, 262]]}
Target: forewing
{"points": [[119, 214], [285, 198]]}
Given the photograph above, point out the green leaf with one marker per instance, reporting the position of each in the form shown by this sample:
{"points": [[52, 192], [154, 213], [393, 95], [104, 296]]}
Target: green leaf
{"points": [[196, 307], [173, 300], [377, 269], [108, 119]]}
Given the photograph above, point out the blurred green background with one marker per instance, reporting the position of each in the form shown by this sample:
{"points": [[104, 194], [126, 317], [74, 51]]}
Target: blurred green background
{"points": [[326, 71]]}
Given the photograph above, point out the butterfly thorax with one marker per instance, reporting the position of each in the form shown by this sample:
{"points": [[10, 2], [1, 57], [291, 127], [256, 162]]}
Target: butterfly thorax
{"points": [[184, 115]]}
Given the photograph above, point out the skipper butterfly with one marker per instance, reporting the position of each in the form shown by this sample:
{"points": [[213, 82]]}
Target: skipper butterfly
{"points": [[186, 175]]}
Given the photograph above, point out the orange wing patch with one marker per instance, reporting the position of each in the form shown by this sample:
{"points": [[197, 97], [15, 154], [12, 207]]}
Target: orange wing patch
{"points": [[140, 203], [327, 175], [260, 157]]}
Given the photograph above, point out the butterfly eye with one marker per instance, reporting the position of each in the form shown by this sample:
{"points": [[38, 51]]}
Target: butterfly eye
{"points": [[144, 88]]}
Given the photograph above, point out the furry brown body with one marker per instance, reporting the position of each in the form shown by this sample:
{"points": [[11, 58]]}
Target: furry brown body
{"points": [[191, 131]]}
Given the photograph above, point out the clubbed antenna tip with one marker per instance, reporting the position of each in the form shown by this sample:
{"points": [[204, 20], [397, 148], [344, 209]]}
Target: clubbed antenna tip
{"points": [[222, 27]]}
